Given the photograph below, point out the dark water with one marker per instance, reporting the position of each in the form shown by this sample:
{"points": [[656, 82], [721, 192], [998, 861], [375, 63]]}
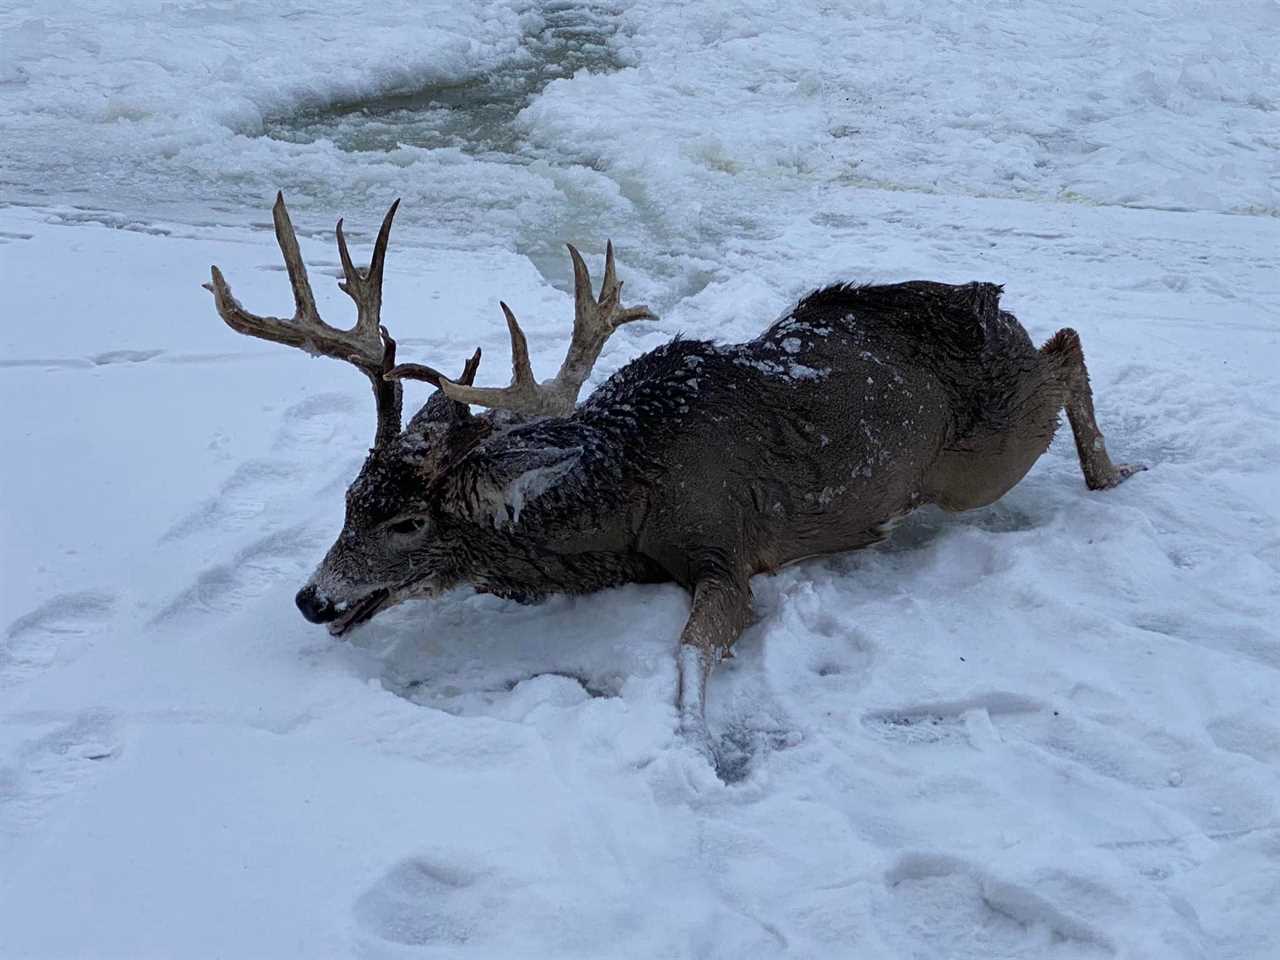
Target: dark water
{"points": [[476, 116]]}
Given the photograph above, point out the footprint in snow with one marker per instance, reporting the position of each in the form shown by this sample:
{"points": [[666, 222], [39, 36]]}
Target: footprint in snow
{"points": [[943, 906], [243, 497], [1247, 735], [743, 747], [320, 418], [421, 902], [255, 487], [123, 356], [58, 758], [825, 644], [970, 718], [52, 632], [256, 568]]}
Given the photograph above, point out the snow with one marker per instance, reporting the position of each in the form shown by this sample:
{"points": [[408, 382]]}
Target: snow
{"points": [[1048, 728]]}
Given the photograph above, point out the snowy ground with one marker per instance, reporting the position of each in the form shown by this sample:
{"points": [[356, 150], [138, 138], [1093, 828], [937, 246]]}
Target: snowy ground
{"points": [[1050, 728]]}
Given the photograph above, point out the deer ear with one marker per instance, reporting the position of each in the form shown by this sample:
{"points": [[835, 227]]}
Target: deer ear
{"points": [[502, 483]]}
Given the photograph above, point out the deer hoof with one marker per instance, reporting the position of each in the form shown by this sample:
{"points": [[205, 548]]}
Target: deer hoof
{"points": [[1121, 473], [693, 731]]}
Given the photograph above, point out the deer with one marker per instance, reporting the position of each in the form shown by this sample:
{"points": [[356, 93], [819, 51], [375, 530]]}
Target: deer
{"points": [[698, 463]]}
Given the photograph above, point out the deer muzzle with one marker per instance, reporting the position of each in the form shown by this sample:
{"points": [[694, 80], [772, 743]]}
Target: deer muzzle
{"points": [[314, 606]]}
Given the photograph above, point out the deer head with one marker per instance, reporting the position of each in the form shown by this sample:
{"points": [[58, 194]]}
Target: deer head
{"points": [[432, 497]]}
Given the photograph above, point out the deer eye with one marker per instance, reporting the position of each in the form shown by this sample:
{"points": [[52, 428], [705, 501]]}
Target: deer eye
{"points": [[407, 526]]}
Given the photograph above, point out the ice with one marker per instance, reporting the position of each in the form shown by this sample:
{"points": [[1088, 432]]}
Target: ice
{"points": [[166, 103], [1043, 729]]}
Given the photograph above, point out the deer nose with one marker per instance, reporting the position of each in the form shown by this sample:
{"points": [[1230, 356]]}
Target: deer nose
{"points": [[314, 607]]}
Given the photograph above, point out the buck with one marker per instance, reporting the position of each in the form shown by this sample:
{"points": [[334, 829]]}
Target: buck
{"points": [[699, 463]]}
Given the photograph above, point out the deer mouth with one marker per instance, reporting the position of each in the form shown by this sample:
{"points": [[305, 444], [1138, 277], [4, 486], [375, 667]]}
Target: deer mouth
{"points": [[360, 611]]}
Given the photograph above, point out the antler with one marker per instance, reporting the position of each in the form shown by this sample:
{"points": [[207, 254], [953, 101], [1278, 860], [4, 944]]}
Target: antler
{"points": [[368, 346], [594, 321]]}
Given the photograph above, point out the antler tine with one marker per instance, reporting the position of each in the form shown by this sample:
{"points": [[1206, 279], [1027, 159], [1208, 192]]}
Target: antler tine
{"points": [[611, 293], [303, 298], [469, 369], [521, 370], [348, 267], [583, 299], [365, 286], [610, 288], [415, 371], [594, 320], [523, 394], [419, 371], [380, 246], [388, 349]]}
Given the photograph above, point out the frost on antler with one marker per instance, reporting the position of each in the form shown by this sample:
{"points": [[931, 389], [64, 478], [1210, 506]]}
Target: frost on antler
{"points": [[594, 321]]}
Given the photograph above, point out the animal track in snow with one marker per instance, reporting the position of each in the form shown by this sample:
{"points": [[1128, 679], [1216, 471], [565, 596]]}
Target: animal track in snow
{"points": [[37, 639], [253, 489], [422, 903], [799, 619], [123, 356], [1132, 755], [315, 265], [243, 496], [317, 418], [741, 748], [942, 906], [50, 764], [949, 719], [284, 554], [1254, 641], [1246, 735], [839, 650], [610, 687], [65, 613], [502, 698], [747, 721]]}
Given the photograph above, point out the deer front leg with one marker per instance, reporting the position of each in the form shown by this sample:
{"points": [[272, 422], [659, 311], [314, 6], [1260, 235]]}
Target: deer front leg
{"points": [[721, 611], [1064, 350]]}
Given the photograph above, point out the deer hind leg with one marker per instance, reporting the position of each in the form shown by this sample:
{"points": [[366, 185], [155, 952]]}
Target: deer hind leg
{"points": [[721, 611], [1064, 353]]}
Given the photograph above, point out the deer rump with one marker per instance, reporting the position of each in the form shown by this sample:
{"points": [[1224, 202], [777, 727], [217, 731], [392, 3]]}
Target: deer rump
{"points": [[697, 462]]}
